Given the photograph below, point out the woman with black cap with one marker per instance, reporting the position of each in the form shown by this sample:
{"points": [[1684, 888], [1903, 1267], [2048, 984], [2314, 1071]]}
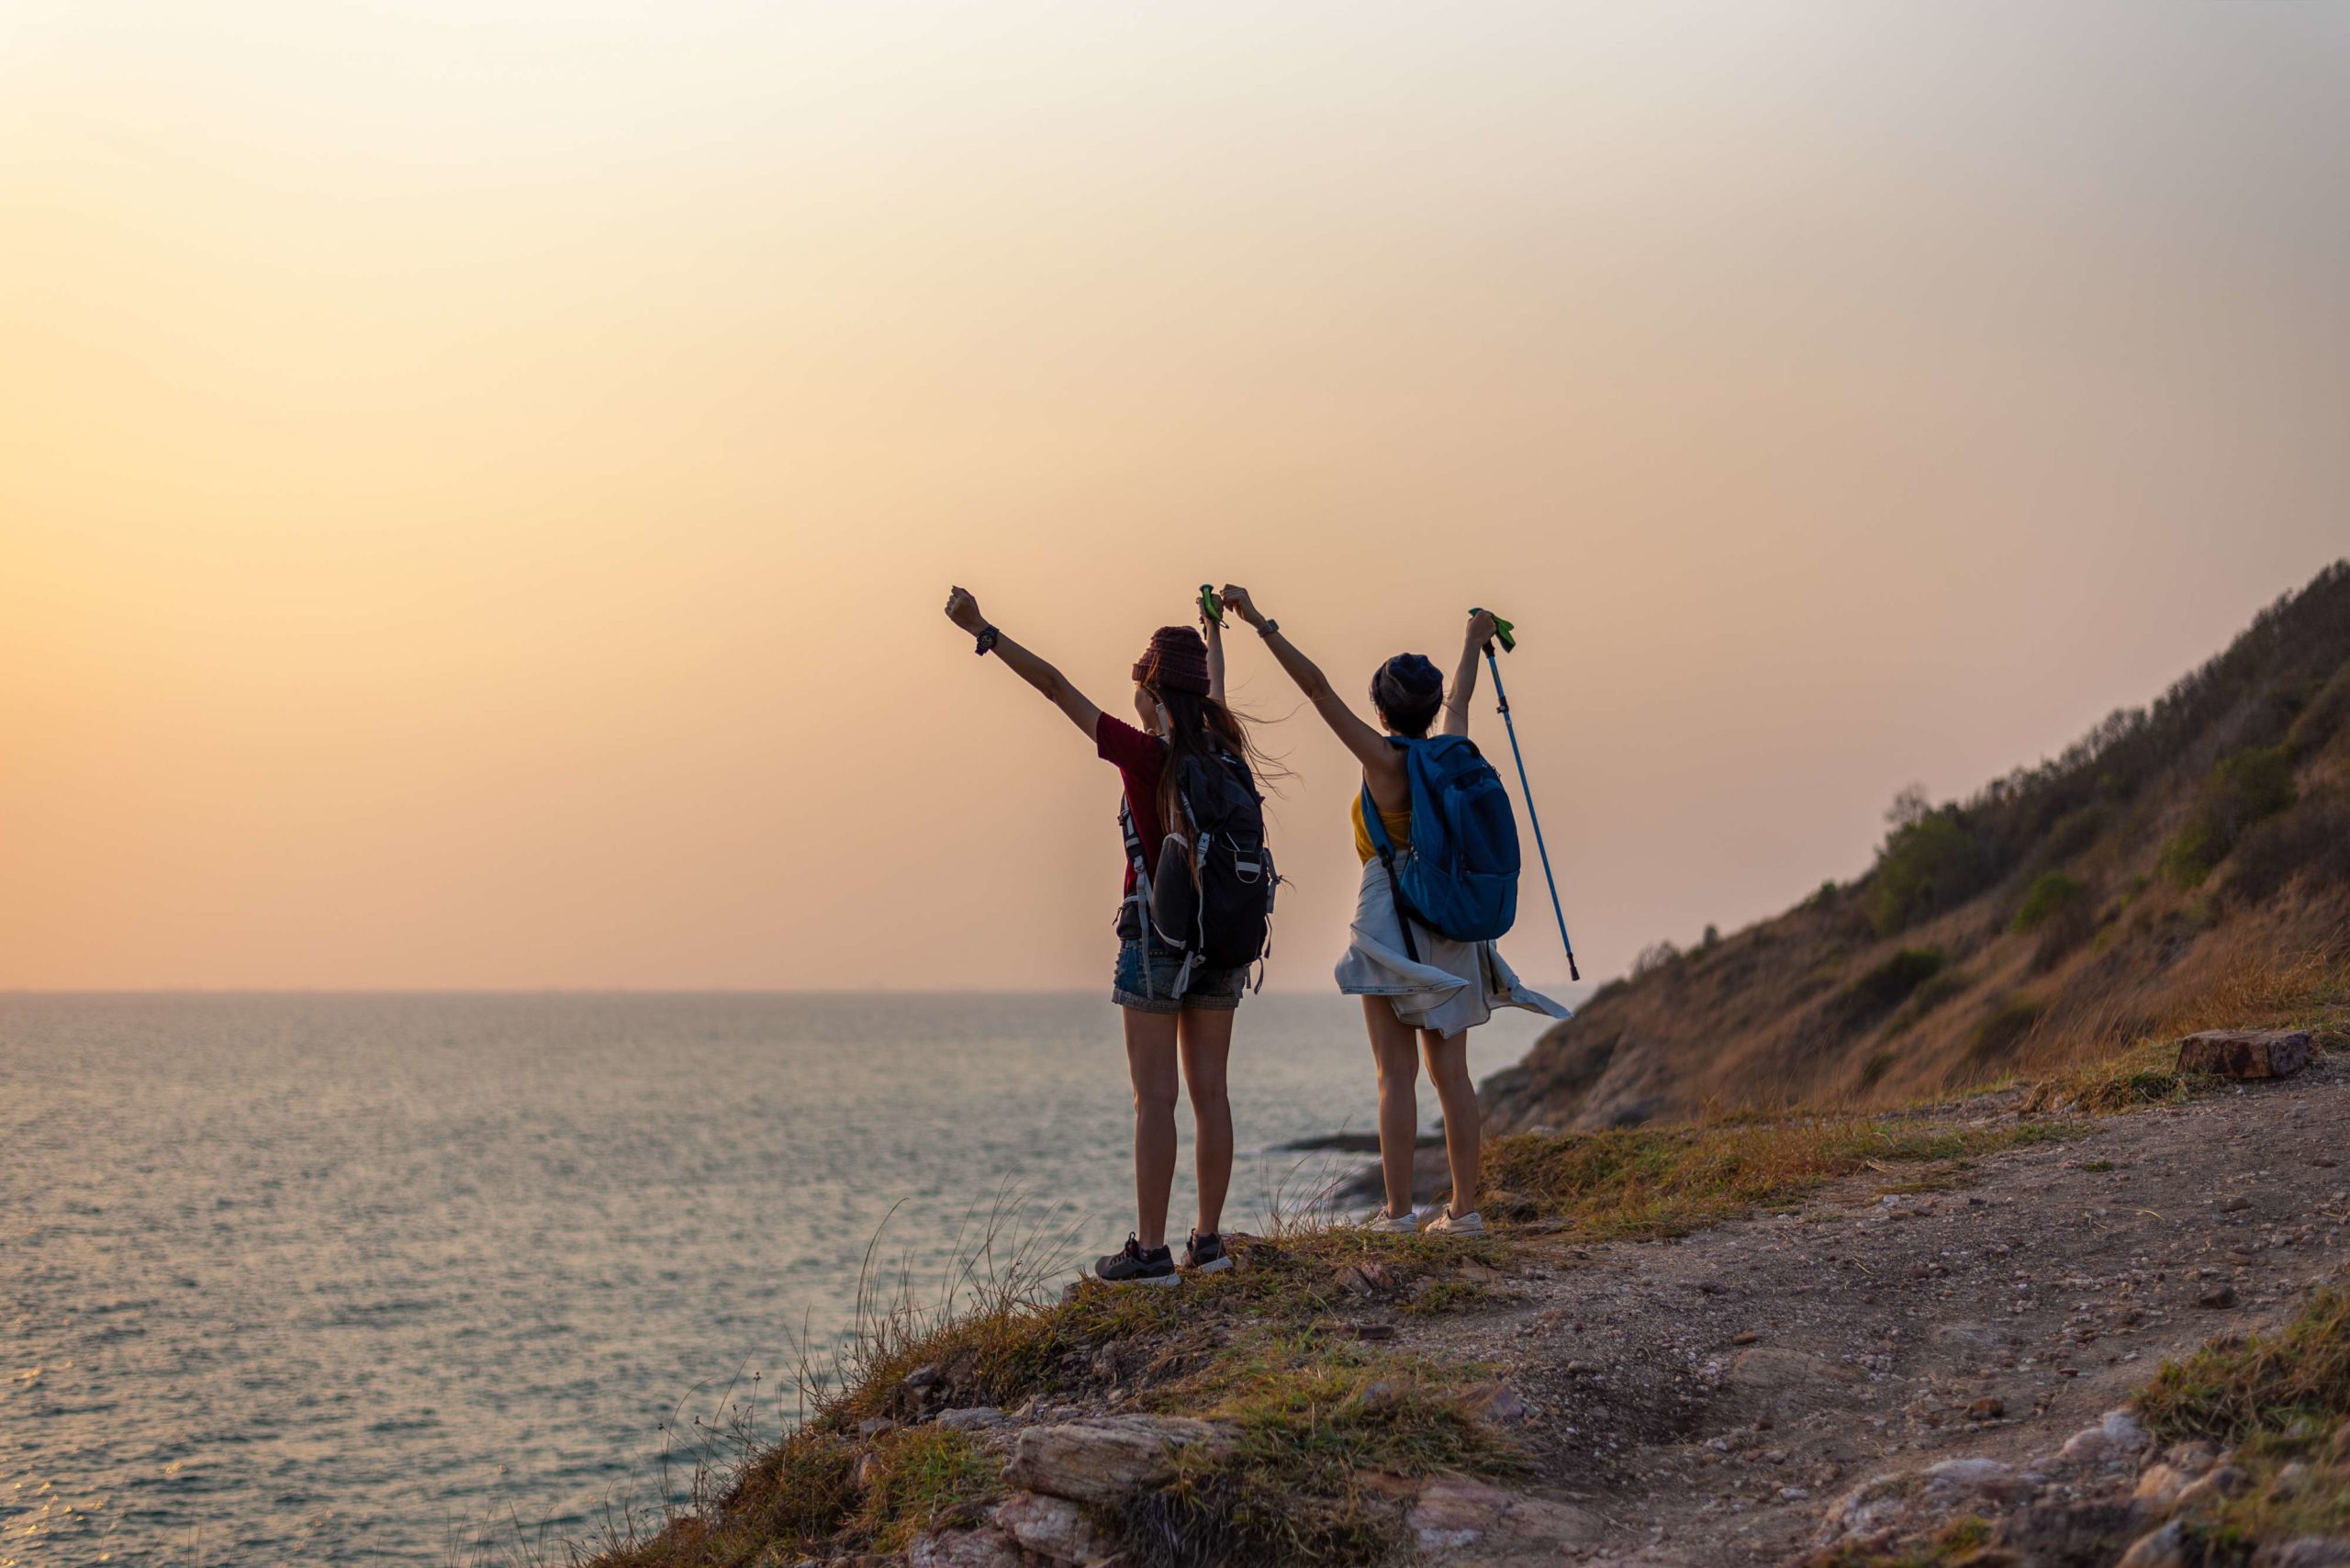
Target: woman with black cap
{"points": [[1422, 996], [1178, 1015]]}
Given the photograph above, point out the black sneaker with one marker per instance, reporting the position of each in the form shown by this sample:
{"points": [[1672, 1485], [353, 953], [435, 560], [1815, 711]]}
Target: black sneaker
{"points": [[1133, 1264], [1205, 1254]]}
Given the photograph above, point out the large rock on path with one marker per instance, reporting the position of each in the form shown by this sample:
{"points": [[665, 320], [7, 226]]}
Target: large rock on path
{"points": [[2245, 1053], [1106, 1459]]}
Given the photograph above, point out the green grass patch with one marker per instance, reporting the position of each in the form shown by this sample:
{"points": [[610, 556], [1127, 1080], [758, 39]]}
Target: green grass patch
{"points": [[2146, 1074], [1315, 1422], [919, 1478], [1642, 1182]]}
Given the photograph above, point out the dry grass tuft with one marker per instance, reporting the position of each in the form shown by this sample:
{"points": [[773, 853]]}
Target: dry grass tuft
{"points": [[2282, 1402]]}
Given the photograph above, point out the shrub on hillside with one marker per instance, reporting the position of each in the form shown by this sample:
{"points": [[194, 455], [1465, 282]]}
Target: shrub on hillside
{"points": [[2250, 694], [2246, 788], [2310, 842], [2051, 892], [1927, 865], [1656, 956]]}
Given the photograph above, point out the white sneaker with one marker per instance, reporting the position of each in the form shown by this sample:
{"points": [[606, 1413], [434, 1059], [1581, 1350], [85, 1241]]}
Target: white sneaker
{"points": [[1451, 1224], [1385, 1224]]}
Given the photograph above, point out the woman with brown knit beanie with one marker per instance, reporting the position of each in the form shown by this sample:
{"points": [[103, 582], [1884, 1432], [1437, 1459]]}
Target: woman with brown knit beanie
{"points": [[1422, 992], [1178, 1015]]}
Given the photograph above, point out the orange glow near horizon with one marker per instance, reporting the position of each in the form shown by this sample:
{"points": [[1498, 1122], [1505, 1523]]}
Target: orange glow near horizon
{"points": [[477, 483]]}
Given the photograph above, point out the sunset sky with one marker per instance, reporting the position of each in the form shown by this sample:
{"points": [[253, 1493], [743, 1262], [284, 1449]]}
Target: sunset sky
{"points": [[477, 480]]}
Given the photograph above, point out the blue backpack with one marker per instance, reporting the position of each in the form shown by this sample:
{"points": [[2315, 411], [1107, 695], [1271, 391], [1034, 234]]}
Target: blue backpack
{"points": [[1459, 876]]}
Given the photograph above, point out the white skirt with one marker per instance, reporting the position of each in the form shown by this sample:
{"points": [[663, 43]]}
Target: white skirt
{"points": [[1453, 986]]}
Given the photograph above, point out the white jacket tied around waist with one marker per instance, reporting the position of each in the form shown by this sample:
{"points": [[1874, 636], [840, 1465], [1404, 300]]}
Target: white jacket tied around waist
{"points": [[1452, 986]]}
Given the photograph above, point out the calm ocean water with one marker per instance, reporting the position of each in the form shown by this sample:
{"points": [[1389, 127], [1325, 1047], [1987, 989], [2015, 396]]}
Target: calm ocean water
{"points": [[351, 1279]]}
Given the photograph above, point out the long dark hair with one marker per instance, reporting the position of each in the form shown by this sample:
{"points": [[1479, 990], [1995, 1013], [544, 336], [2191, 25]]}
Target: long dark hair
{"points": [[1201, 726]]}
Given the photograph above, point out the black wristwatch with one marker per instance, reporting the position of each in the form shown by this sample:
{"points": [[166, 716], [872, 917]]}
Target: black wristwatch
{"points": [[1268, 628], [986, 640]]}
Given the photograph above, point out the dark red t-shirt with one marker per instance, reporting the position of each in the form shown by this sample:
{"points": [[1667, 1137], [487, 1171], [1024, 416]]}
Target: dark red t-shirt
{"points": [[1141, 757]]}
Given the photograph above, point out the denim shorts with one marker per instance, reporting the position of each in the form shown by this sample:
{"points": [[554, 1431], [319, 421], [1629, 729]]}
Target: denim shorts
{"points": [[1216, 989]]}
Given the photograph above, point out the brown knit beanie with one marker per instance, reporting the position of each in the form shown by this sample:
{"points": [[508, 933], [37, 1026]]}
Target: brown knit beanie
{"points": [[1177, 660]]}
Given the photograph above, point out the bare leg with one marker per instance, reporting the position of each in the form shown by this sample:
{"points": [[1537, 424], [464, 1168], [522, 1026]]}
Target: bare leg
{"points": [[1394, 1052], [1463, 1134], [1206, 1042], [1150, 1061]]}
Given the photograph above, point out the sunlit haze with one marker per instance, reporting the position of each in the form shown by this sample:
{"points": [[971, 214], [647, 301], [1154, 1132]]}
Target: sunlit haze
{"points": [[478, 482]]}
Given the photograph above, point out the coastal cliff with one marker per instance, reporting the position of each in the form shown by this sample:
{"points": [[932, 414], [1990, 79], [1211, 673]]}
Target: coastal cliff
{"points": [[2059, 913]]}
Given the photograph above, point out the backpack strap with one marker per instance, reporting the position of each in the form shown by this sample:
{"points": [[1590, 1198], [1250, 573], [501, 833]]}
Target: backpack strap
{"points": [[1140, 897], [1377, 831]]}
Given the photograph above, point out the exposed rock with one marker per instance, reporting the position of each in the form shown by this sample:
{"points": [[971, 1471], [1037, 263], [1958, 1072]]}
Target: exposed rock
{"points": [[2166, 1547], [1498, 1403], [1105, 1459], [1052, 1528], [1983, 1477], [2052, 1533], [2218, 1297], [2190, 1459], [1464, 1522], [2227, 1481], [2159, 1487], [971, 1418], [2290, 1481], [1889, 1502], [2118, 1436], [1990, 1407], [2245, 1053], [965, 1549], [1366, 1277]]}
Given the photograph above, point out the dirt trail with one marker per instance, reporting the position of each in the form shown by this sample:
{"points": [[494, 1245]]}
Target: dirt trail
{"points": [[1709, 1398]]}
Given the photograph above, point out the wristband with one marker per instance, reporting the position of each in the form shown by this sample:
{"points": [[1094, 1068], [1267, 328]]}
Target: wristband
{"points": [[985, 642], [1268, 628]]}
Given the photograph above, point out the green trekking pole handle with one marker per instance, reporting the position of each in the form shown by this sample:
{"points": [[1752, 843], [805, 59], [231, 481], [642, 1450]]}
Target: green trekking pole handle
{"points": [[1210, 606], [1502, 629]]}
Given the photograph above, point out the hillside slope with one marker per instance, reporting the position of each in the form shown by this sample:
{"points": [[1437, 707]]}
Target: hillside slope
{"points": [[2139, 884]]}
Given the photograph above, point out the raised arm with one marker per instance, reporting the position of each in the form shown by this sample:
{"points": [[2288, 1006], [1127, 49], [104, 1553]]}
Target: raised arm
{"points": [[1214, 629], [964, 611], [1464, 677], [1370, 747]]}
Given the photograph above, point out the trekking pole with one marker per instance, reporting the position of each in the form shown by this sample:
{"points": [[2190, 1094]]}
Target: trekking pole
{"points": [[1502, 629]]}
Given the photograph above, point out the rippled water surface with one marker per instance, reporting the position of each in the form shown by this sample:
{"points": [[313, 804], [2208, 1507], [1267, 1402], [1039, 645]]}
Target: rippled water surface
{"points": [[359, 1279]]}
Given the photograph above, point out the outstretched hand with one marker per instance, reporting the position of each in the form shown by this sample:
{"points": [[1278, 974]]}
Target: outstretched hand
{"points": [[1482, 627], [1235, 598], [964, 611]]}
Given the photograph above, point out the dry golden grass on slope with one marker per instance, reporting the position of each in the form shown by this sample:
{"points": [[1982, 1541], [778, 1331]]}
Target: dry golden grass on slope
{"points": [[2115, 1053]]}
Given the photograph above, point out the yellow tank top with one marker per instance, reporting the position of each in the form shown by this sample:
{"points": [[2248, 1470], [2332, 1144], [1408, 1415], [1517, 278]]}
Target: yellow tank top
{"points": [[1397, 823]]}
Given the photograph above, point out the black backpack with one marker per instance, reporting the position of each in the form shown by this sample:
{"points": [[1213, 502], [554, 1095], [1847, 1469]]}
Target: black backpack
{"points": [[1213, 899]]}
